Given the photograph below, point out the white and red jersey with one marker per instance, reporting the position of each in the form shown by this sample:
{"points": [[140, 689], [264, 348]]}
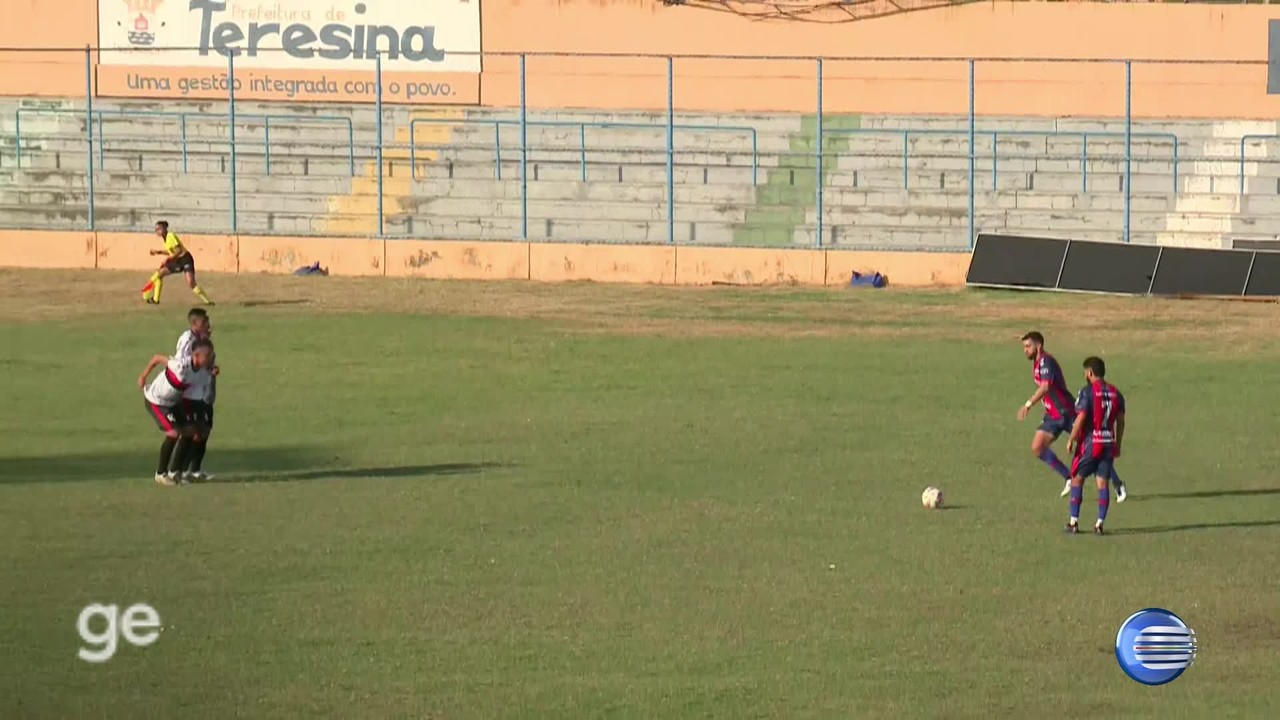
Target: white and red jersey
{"points": [[196, 390], [171, 385], [185, 341]]}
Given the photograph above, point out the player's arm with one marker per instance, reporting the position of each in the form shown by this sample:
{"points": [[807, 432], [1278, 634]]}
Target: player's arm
{"points": [[155, 362], [1119, 432], [1077, 432], [1084, 410], [1042, 389]]}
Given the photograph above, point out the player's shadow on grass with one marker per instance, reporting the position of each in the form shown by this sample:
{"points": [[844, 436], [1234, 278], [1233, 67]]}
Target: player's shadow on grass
{"points": [[370, 473], [1207, 494], [1194, 526], [140, 464]]}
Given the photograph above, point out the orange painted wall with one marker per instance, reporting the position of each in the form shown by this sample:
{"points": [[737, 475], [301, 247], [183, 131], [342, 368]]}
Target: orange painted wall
{"points": [[1040, 30], [549, 262], [343, 256], [22, 248], [751, 266], [44, 24], [132, 251], [555, 262], [446, 260]]}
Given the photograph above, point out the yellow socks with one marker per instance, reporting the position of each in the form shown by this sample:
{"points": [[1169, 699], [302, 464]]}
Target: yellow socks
{"points": [[201, 294], [157, 284], [151, 283]]}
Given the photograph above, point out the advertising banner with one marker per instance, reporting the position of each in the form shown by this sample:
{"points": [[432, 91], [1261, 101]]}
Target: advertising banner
{"points": [[299, 50]]}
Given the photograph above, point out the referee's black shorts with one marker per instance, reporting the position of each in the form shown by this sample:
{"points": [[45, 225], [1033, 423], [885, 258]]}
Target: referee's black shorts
{"points": [[179, 265]]}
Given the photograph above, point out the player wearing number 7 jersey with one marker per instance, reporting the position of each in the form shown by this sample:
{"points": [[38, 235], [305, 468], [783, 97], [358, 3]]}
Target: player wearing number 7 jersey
{"points": [[1096, 436]]}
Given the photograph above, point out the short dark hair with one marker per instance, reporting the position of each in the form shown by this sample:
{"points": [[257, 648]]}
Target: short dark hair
{"points": [[202, 344], [1034, 336], [195, 313], [1096, 366], [162, 224]]}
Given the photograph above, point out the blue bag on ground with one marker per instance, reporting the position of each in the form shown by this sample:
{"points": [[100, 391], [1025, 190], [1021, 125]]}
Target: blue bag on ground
{"points": [[313, 269], [875, 280]]}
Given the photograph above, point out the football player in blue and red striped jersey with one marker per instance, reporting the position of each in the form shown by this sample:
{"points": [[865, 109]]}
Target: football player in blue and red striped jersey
{"points": [[1096, 436], [1059, 412]]}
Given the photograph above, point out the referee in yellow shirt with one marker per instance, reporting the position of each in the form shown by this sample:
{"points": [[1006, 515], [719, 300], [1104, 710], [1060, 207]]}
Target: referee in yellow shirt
{"points": [[177, 260]]}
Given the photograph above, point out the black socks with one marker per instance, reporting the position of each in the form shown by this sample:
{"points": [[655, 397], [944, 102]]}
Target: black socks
{"points": [[166, 454]]}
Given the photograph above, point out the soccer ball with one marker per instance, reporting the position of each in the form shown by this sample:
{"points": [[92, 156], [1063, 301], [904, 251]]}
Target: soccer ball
{"points": [[931, 498]]}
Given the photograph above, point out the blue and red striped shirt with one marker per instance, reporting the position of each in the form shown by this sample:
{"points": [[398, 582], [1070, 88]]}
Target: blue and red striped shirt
{"points": [[1057, 401], [1102, 405]]}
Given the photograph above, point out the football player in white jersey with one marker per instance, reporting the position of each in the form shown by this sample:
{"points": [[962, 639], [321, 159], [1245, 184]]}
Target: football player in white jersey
{"points": [[199, 399], [162, 398]]}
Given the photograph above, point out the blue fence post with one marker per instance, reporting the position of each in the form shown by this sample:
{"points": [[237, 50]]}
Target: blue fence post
{"points": [[88, 123], [818, 132], [377, 68], [671, 151], [973, 154], [1128, 144], [231, 116], [524, 155]]}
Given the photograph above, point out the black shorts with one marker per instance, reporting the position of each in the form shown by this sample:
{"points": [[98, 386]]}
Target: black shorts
{"points": [[167, 418], [200, 414], [179, 265]]}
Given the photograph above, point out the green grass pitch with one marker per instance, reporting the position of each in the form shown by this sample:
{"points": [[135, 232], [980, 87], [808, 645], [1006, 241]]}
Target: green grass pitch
{"points": [[468, 500]]}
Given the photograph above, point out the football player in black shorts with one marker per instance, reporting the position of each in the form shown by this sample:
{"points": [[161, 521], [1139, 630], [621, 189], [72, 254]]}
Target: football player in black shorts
{"points": [[198, 399], [177, 260]]}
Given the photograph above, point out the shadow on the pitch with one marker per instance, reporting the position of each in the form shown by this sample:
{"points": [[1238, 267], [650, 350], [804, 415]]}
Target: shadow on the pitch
{"points": [[140, 464], [370, 473], [954, 507], [1206, 494], [1194, 526], [271, 303]]}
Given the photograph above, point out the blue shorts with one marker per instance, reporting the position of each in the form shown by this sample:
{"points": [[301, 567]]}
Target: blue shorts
{"points": [[1055, 427], [1085, 465]]}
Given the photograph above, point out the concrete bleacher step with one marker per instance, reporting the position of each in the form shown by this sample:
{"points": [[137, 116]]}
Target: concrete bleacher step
{"points": [[582, 192], [568, 210], [1040, 182], [593, 231]]}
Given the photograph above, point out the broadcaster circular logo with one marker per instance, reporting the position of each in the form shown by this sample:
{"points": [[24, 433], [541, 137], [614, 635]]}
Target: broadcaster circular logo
{"points": [[1154, 646]]}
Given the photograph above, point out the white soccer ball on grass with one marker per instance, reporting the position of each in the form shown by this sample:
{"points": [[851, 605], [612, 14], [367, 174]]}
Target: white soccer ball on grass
{"points": [[931, 498]]}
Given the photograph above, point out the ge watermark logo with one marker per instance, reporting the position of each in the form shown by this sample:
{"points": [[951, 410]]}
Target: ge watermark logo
{"points": [[139, 625], [1154, 646]]}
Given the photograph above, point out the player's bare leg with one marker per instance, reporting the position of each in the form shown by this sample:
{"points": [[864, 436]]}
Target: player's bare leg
{"points": [[1041, 448], [195, 288]]}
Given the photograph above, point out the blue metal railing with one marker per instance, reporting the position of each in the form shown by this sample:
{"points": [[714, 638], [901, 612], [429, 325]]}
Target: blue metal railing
{"points": [[182, 117], [995, 135], [1246, 140], [582, 137], [814, 157]]}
